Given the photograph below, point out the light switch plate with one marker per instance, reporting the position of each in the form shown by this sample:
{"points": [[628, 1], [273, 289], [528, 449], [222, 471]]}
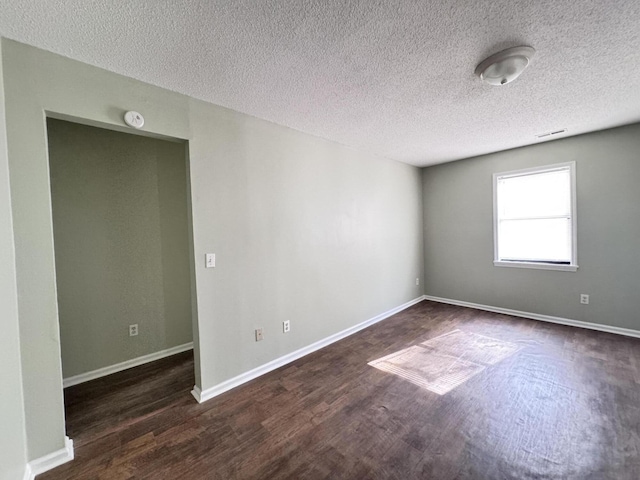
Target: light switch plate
{"points": [[210, 260]]}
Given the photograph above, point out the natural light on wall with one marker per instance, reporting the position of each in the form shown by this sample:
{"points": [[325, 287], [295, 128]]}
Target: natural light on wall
{"points": [[534, 218]]}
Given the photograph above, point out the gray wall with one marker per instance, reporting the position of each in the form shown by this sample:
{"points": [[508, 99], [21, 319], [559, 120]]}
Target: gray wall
{"points": [[12, 427], [304, 229], [458, 227], [121, 244]]}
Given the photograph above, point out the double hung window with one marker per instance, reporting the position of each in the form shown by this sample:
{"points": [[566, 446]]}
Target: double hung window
{"points": [[535, 218]]}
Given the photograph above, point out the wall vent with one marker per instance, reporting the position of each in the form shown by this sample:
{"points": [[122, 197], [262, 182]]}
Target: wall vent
{"points": [[551, 134]]}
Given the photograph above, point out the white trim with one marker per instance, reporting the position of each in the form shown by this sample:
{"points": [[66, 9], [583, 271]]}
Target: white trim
{"points": [[118, 367], [574, 215], [535, 170], [543, 318], [50, 461], [197, 394], [207, 394], [538, 266]]}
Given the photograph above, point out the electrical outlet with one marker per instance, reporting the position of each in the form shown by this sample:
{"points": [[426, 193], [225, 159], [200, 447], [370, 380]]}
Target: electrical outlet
{"points": [[259, 334], [133, 330], [584, 299], [286, 326], [417, 281]]}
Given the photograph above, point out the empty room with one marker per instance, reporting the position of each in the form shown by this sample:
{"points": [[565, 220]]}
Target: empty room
{"points": [[320, 240]]}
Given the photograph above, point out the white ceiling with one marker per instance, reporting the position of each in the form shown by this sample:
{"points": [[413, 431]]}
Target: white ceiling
{"points": [[394, 78]]}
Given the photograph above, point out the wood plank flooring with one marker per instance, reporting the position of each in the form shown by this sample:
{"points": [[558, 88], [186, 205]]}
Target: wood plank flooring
{"points": [[565, 406]]}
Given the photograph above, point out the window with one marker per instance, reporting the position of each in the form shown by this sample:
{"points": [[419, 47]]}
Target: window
{"points": [[534, 218]]}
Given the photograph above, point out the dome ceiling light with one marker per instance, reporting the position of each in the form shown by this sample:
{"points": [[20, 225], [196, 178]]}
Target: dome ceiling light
{"points": [[505, 66]]}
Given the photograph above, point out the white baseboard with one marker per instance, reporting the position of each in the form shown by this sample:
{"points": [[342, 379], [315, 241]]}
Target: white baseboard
{"points": [[50, 461], [536, 316], [197, 394], [134, 362], [209, 393]]}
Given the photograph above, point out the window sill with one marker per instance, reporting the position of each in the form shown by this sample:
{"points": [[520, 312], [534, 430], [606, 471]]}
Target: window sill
{"points": [[537, 266]]}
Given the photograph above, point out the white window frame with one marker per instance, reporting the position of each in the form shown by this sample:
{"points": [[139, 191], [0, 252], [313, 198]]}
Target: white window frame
{"points": [[573, 266]]}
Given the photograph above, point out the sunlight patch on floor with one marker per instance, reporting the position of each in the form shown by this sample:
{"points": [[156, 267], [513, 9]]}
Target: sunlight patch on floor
{"points": [[445, 362]]}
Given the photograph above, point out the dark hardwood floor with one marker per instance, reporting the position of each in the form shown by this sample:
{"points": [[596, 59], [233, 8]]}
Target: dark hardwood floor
{"points": [[565, 406]]}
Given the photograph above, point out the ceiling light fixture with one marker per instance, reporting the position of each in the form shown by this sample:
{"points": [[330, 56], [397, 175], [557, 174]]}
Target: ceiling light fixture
{"points": [[505, 66]]}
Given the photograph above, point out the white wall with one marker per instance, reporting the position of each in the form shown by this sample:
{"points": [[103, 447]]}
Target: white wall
{"points": [[303, 229], [458, 223], [12, 427]]}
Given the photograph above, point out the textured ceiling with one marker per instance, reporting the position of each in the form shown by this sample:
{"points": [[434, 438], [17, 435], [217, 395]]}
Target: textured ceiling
{"points": [[394, 78]]}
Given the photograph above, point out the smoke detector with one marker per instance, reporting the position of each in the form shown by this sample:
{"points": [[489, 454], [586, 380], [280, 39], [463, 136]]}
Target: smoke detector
{"points": [[505, 66], [134, 119]]}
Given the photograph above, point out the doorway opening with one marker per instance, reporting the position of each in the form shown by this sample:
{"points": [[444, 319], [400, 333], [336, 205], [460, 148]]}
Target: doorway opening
{"points": [[124, 274]]}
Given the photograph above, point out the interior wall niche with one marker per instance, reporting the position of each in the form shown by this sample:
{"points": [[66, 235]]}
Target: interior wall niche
{"points": [[120, 221]]}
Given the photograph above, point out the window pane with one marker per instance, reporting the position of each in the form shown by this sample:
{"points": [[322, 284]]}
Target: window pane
{"points": [[537, 195], [535, 240]]}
